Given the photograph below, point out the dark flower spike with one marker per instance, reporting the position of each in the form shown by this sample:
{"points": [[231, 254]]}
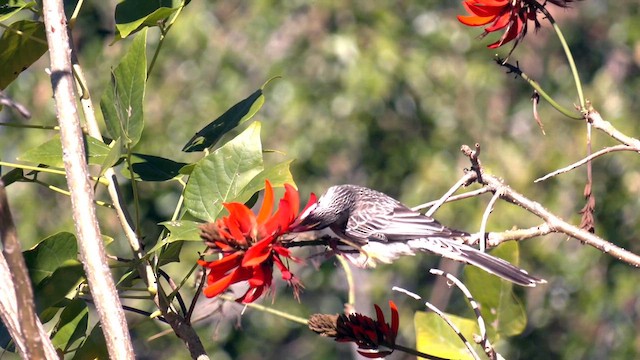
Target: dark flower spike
{"points": [[374, 338], [250, 246], [512, 16]]}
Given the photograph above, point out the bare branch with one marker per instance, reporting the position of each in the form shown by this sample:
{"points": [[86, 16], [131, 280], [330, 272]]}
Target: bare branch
{"points": [[90, 241], [554, 223], [485, 219], [464, 180], [444, 317], [599, 123], [484, 338], [587, 159], [463, 196], [28, 333]]}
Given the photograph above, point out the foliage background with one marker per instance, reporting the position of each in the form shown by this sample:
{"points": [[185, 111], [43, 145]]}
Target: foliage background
{"points": [[382, 94]]}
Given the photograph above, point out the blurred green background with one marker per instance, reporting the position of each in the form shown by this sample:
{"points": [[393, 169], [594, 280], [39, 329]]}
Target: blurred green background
{"points": [[381, 94]]}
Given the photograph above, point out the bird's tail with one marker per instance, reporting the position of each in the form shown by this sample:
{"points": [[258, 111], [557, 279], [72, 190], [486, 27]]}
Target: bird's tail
{"points": [[451, 249]]}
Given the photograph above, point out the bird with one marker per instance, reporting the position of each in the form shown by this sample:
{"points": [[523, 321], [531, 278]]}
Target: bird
{"points": [[380, 228]]}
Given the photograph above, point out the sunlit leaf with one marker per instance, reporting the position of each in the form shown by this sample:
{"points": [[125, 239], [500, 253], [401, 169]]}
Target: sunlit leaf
{"points": [[20, 47], [133, 15], [222, 175], [278, 175], [237, 114], [122, 101], [50, 153], [181, 230], [153, 168], [112, 157], [72, 324], [502, 311], [435, 337]]}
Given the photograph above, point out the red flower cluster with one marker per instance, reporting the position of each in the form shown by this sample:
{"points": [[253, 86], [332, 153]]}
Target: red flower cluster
{"points": [[250, 245], [511, 16], [375, 338]]}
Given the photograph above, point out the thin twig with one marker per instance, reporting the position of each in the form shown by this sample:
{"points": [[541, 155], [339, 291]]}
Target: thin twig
{"points": [[464, 180], [599, 123], [454, 328], [485, 219], [587, 159], [463, 196], [484, 338]]}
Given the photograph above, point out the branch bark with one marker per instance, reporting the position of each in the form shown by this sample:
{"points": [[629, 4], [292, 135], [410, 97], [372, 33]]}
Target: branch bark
{"points": [[90, 243], [554, 223], [18, 310]]}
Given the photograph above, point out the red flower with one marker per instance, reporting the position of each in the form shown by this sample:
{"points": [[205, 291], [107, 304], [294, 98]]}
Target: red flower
{"points": [[512, 16], [375, 338], [250, 245]]}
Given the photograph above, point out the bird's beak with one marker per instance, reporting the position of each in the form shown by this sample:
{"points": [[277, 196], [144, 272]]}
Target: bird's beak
{"points": [[301, 224]]}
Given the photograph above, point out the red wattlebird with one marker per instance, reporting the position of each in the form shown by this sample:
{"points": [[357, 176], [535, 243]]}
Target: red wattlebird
{"points": [[384, 229]]}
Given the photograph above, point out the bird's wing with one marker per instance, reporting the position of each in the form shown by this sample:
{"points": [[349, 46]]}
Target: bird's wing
{"points": [[368, 221], [406, 224]]}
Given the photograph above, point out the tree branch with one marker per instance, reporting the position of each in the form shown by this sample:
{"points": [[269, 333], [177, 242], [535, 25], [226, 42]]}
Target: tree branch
{"points": [[554, 223], [90, 243], [28, 332], [587, 159]]}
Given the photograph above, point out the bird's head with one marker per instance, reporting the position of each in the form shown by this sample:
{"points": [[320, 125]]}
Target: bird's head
{"points": [[328, 209]]}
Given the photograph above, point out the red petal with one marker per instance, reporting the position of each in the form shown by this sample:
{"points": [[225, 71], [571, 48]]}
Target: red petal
{"points": [[217, 287], [395, 319], [292, 197], [483, 11], [500, 23], [475, 20], [244, 217], [511, 34], [267, 203], [312, 200], [379, 314], [258, 253]]}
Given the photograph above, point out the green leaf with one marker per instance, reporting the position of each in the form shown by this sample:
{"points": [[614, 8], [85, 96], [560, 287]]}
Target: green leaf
{"points": [[133, 15], [187, 169], [122, 101], [222, 175], [72, 325], [153, 168], [435, 337], [113, 156], [18, 52], [8, 8], [502, 311], [49, 254], [236, 115], [278, 175], [55, 288], [93, 347], [12, 176], [180, 230], [171, 253], [183, 230], [50, 153]]}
